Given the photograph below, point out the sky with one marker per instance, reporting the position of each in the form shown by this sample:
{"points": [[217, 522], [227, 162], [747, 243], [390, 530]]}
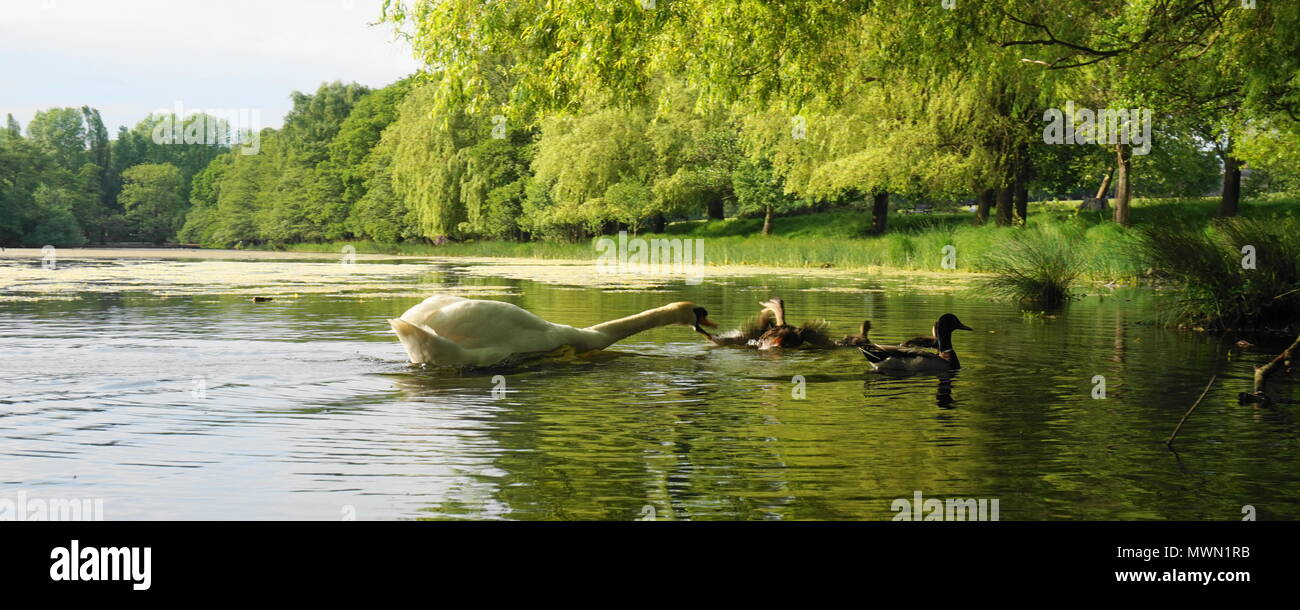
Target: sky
{"points": [[130, 58]]}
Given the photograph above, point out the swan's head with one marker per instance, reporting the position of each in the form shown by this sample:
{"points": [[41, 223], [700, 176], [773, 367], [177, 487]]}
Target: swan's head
{"points": [[690, 314]]}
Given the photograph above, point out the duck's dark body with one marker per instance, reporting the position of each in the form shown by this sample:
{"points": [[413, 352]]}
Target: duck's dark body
{"points": [[905, 358]]}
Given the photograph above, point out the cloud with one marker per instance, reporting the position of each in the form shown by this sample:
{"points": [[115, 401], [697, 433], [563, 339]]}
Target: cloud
{"points": [[131, 57]]}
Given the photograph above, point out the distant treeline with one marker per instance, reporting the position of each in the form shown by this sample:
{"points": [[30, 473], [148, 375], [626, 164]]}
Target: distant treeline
{"points": [[393, 165]]}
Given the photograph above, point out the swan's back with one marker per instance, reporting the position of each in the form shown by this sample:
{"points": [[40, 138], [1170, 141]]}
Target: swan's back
{"points": [[423, 312], [473, 323], [479, 332]]}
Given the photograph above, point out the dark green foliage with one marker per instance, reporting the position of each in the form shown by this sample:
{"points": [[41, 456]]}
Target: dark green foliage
{"points": [[757, 188], [492, 188], [52, 221], [152, 196], [1216, 291]]}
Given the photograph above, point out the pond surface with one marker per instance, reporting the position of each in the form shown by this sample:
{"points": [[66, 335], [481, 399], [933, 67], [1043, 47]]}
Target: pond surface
{"points": [[159, 387]]}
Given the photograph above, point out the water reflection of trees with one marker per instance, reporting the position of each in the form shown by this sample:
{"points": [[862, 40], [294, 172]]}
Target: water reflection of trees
{"points": [[703, 433]]}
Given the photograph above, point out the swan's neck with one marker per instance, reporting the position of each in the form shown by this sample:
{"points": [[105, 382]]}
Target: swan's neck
{"points": [[622, 328]]}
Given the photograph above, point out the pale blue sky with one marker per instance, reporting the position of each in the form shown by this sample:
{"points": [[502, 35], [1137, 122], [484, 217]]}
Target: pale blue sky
{"points": [[129, 58]]}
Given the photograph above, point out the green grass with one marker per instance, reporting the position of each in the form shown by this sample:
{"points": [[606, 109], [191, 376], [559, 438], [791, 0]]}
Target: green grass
{"points": [[1217, 286], [1037, 266], [841, 238]]}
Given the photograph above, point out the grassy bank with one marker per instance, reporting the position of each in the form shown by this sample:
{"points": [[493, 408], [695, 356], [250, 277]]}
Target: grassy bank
{"points": [[841, 239]]}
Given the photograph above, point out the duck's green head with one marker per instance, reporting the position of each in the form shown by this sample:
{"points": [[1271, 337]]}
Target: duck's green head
{"points": [[950, 322]]}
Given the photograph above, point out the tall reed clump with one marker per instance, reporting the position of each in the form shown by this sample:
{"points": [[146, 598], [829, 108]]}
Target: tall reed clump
{"points": [[1036, 266], [1240, 273]]}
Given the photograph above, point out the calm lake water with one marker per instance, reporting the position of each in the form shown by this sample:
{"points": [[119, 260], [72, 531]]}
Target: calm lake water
{"points": [[159, 387]]}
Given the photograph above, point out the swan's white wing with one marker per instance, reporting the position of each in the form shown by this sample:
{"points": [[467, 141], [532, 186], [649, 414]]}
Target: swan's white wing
{"points": [[476, 324]]}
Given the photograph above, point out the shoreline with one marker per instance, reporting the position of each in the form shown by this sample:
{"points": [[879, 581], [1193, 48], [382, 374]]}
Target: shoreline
{"points": [[250, 255]]}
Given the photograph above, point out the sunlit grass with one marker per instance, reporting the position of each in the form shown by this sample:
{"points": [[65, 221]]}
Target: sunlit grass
{"points": [[842, 239], [1037, 266]]}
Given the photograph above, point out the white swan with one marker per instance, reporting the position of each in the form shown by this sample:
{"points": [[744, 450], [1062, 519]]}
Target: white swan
{"points": [[455, 331]]}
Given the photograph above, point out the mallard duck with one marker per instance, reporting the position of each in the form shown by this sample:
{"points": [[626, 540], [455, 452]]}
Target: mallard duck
{"points": [[900, 358], [811, 334], [858, 340], [927, 342], [748, 333], [455, 331]]}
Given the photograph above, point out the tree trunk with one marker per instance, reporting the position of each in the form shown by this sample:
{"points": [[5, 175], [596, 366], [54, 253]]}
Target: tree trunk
{"points": [[1021, 195], [1022, 205], [658, 223], [1105, 183], [767, 220], [879, 211], [1005, 196], [716, 209], [982, 209], [1231, 186], [1123, 158]]}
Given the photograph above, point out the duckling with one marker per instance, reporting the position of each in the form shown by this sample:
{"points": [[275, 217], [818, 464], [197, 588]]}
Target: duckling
{"points": [[858, 340], [914, 359], [811, 334]]}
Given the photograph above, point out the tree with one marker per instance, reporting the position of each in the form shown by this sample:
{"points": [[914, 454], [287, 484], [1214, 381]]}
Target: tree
{"points": [[579, 159], [189, 143], [315, 119], [204, 190], [60, 133], [245, 185], [99, 153], [351, 151], [52, 220], [758, 189], [152, 195], [307, 203], [427, 168], [12, 128]]}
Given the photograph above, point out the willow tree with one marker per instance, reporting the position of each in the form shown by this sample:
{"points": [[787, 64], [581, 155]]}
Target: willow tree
{"points": [[1209, 63], [427, 167], [580, 162], [1242, 76], [1021, 56], [883, 139]]}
